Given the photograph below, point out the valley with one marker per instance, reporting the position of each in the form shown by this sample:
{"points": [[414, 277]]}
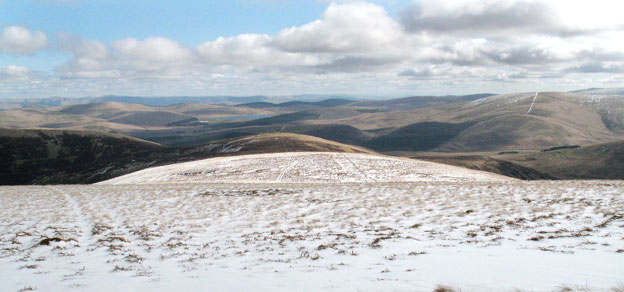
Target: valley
{"points": [[469, 131], [470, 123]]}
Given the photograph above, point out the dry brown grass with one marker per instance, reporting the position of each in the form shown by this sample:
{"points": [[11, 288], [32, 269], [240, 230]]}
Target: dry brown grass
{"points": [[28, 288], [446, 288]]}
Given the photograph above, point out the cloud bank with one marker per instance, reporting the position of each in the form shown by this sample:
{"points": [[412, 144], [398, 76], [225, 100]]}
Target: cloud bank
{"points": [[433, 46]]}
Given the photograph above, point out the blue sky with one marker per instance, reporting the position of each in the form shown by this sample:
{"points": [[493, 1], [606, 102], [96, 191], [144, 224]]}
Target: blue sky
{"points": [[377, 48], [189, 22]]}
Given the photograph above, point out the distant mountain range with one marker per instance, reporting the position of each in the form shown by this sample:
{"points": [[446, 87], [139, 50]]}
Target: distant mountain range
{"points": [[605, 91], [161, 100], [483, 122], [472, 129], [227, 100]]}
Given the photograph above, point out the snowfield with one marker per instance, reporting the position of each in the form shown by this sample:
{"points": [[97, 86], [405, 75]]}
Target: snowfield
{"points": [[374, 236], [305, 167]]}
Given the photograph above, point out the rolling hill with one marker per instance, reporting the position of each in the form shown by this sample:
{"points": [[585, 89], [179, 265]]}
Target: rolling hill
{"points": [[161, 101], [472, 123], [497, 123], [67, 156], [599, 161], [493, 123], [305, 167], [122, 118], [416, 102], [601, 91], [104, 110], [299, 105], [515, 122], [64, 156]]}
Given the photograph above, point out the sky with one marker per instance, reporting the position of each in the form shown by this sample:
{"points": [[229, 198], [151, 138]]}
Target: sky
{"points": [[77, 48]]}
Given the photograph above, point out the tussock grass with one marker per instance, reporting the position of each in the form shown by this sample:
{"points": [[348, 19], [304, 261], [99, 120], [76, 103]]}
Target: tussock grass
{"points": [[27, 288], [47, 241], [446, 288]]}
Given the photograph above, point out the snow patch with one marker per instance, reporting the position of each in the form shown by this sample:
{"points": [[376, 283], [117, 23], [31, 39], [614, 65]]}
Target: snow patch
{"points": [[304, 167]]}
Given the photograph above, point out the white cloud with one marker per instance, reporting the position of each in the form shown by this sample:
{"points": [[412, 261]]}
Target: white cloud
{"points": [[20, 40], [17, 71], [499, 17], [90, 59], [249, 50], [356, 37], [599, 67], [343, 28], [152, 53], [354, 47], [357, 64], [478, 16]]}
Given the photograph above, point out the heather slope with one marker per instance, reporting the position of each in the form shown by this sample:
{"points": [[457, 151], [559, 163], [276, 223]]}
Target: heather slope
{"points": [[64, 156]]}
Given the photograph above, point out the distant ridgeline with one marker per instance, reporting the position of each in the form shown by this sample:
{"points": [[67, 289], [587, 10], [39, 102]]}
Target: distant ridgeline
{"points": [[69, 157], [555, 139]]}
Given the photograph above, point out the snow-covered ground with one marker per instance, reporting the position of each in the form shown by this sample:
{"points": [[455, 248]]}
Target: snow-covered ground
{"points": [[305, 167], [401, 236]]}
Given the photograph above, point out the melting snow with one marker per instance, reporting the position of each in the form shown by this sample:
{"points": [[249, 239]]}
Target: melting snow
{"points": [[399, 236], [308, 167]]}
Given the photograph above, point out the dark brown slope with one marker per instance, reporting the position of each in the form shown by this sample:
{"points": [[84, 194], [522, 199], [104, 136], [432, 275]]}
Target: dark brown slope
{"points": [[485, 162], [69, 157], [600, 161], [62, 156]]}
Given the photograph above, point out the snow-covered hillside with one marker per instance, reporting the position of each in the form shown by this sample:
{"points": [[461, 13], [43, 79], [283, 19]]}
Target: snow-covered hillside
{"points": [[399, 236], [305, 167]]}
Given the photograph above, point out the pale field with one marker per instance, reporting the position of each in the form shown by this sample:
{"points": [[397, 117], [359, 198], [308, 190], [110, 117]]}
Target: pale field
{"points": [[400, 236]]}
